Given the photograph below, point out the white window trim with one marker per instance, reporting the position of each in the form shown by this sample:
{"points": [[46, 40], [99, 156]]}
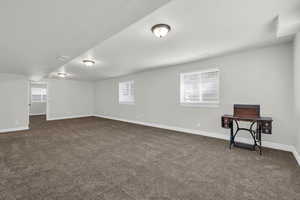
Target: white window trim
{"points": [[199, 104], [126, 102], [42, 101], [203, 105]]}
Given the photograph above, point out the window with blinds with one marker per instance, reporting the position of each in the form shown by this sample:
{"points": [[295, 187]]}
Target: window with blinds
{"points": [[126, 92], [38, 95], [200, 87]]}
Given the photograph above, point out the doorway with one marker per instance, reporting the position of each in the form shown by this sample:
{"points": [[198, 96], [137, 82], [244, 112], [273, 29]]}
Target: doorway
{"points": [[38, 103]]}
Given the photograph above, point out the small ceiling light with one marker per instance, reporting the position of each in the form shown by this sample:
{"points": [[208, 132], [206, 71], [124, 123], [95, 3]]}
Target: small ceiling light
{"points": [[62, 74], [161, 30], [88, 63]]}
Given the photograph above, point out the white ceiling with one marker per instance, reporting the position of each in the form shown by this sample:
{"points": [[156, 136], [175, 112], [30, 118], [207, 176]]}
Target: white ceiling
{"points": [[116, 34], [200, 29], [34, 32]]}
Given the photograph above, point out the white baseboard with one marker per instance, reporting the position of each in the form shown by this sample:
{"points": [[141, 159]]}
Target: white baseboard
{"points": [[35, 114], [68, 117], [272, 145], [180, 129], [14, 129], [296, 155]]}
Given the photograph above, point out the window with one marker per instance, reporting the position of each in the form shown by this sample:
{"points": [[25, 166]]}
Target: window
{"points": [[199, 87], [126, 92], [38, 94]]}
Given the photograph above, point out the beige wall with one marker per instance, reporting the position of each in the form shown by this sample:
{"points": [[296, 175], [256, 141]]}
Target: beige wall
{"points": [[69, 98], [38, 108], [297, 87], [261, 76], [14, 100]]}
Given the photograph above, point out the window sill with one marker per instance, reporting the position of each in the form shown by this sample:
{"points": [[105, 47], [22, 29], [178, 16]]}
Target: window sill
{"points": [[126, 103], [203, 105]]}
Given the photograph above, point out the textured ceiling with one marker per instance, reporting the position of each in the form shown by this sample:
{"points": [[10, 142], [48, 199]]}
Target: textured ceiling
{"points": [[200, 29], [34, 33], [117, 34]]}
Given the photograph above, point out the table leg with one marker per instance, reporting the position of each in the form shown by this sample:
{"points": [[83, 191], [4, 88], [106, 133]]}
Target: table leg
{"points": [[231, 137], [259, 135]]}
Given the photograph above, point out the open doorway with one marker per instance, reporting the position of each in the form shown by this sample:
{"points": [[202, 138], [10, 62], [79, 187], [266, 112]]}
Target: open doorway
{"points": [[38, 103]]}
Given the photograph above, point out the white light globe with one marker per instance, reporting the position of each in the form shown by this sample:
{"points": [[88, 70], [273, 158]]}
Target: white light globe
{"points": [[161, 30]]}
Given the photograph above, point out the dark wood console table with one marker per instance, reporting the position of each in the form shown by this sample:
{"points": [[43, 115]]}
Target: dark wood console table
{"points": [[258, 125]]}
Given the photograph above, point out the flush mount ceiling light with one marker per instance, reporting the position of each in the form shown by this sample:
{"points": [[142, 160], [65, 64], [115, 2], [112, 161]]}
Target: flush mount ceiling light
{"points": [[88, 63], [62, 74], [161, 30]]}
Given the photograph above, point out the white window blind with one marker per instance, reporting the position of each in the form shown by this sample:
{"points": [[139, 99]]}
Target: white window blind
{"points": [[199, 87], [38, 94], [126, 92]]}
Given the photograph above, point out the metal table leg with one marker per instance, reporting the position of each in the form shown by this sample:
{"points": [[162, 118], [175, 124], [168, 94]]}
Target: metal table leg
{"points": [[256, 136]]}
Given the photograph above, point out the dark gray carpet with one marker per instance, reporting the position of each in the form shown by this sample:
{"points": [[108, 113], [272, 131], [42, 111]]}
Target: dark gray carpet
{"points": [[94, 158]]}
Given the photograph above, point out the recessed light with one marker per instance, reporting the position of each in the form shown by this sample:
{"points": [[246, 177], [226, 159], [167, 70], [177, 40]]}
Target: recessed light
{"points": [[62, 74], [161, 30], [88, 63]]}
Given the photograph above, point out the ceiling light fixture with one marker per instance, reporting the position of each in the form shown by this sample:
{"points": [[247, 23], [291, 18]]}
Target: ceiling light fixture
{"points": [[160, 30], [62, 74], [88, 63]]}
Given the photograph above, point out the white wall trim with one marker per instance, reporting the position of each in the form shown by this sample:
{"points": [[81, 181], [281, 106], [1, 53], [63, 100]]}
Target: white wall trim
{"points": [[68, 117], [296, 155], [272, 145], [34, 114], [14, 129]]}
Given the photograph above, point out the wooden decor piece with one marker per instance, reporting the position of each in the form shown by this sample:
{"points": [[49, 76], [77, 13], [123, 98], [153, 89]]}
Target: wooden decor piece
{"points": [[249, 113]]}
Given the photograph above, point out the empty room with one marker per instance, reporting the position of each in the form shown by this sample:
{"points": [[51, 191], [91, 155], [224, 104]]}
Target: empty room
{"points": [[150, 100]]}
